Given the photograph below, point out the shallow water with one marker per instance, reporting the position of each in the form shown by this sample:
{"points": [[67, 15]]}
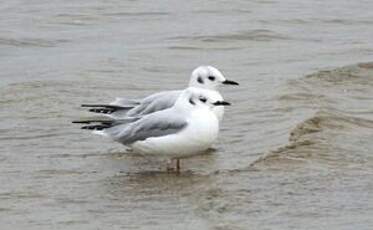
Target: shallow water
{"points": [[295, 150]]}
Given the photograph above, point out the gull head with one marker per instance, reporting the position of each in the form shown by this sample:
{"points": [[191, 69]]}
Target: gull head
{"points": [[208, 77], [195, 98]]}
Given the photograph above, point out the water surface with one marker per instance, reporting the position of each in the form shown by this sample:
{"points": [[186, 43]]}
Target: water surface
{"points": [[295, 150]]}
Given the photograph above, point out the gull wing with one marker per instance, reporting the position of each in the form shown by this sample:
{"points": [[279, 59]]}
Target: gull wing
{"points": [[155, 102], [154, 125]]}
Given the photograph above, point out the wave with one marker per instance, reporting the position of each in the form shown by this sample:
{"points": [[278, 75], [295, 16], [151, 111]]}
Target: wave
{"points": [[250, 35], [32, 42], [359, 73], [341, 129]]}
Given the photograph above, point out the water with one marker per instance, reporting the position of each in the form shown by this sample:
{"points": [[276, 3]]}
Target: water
{"points": [[295, 150]]}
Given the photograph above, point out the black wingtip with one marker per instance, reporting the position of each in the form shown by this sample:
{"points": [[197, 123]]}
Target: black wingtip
{"points": [[95, 127], [81, 122], [102, 110], [106, 109], [93, 105]]}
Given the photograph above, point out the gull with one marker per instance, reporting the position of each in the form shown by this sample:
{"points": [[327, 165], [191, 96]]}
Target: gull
{"points": [[189, 127], [203, 77]]}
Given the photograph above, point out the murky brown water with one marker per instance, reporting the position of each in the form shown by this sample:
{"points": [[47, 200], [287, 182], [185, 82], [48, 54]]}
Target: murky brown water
{"points": [[295, 150]]}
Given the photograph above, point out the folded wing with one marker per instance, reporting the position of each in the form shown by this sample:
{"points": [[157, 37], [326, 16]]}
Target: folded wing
{"points": [[153, 125], [123, 107]]}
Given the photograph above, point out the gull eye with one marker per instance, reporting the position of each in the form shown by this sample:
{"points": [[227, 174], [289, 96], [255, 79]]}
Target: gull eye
{"points": [[203, 99], [200, 80], [211, 78], [191, 101]]}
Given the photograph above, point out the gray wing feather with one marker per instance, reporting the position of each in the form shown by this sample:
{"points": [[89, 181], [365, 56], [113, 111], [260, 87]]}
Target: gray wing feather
{"points": [[153, 125], [155, 102]]}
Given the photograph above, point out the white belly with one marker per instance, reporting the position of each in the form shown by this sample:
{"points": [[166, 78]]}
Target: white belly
{"points": [[198, 136]]}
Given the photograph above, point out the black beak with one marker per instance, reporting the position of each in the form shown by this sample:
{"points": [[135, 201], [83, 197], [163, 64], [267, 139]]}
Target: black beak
{"points": [[229, 82], [221, 103]]}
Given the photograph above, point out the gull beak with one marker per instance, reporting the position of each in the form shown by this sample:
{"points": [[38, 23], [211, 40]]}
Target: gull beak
{"points": [[229, 82], [224, 103]]}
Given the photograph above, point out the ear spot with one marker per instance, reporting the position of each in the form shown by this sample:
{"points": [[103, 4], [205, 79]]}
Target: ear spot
{"points": [[203, 99], [191, 101], [200, 80]]}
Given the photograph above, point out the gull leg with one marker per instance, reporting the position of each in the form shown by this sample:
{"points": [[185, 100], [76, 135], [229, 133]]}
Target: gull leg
{"points": [[178, 165]]}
